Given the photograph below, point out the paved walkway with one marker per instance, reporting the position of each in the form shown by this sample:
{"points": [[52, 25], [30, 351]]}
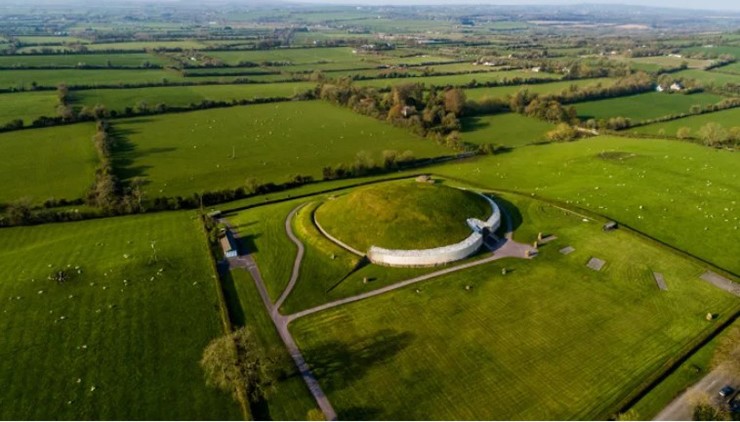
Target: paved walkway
{"points": [[503, 248]]}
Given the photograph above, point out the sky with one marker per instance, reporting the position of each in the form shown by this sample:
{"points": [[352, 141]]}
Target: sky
{"points": [[688, 4]]}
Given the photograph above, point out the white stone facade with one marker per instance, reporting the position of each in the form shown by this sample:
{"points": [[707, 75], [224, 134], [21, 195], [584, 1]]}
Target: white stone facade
{"points": [[443, 254]]}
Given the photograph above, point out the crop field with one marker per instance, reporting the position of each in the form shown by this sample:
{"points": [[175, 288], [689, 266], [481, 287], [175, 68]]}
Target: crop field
{"points": [[73, 77], [461, 79], [118, 99], [185, 153], [676, 192], [546, 88], [644, 106], [27, 106], [126, 327], [446, 348], [507, 129], [134, 59], [47, 163], [726, 118]]}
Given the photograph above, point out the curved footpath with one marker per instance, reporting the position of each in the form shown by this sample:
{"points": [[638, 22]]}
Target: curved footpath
{"points": [[504, 248]]}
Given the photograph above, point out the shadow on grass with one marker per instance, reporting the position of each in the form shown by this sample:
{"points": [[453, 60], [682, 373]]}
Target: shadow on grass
{"points": [[360, 413], [337, 364], [512, 213], [471, 124], [233, 305]]}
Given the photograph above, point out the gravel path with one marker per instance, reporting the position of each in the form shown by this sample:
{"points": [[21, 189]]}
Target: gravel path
{"points": [[721, 282]]}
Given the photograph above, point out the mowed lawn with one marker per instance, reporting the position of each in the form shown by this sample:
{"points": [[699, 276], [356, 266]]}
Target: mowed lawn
{"points": [[644, 106], [186, 153], [552, 339], [121, 339], [506, 129], [118, 99], [546, 88], [39, 164], [680, 193], [27, 106], [726, 118]]}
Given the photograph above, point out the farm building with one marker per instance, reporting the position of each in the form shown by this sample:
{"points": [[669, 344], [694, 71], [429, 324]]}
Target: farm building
{"points": [[228, 244]]}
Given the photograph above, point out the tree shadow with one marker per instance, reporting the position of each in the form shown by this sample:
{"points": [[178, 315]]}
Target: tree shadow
{"points": [[337, 364], [125, 154], [245, 243], [231, 297], [357, 413], [471, 124]]}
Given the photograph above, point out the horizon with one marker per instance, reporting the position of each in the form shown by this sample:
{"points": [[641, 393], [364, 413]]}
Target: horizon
{"points": [[713, 5]]}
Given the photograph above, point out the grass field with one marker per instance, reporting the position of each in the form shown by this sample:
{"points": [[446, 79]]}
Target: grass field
{"points": [[122, 338], [550, 340], [145, 45], [643, 106], [47, 163], [460, 79], [73, 77], [291, 56], [658, 62], [726, 118], [27, 106], [709, 77], [49, 40], [507, 129], [185, 153], [135, 59], [118, 99], [402, 215], [733, 68], [547, 88], [677, 192]]}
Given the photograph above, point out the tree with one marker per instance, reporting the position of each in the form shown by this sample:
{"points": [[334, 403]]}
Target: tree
{"points": [[454, 101], [707, 412], [713, 134], [683, 133], [19, 212], [252, 185], [562, 132], [236, 363]]}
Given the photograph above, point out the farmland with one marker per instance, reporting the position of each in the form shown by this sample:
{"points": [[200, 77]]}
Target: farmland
{"points": [[54, 163], [422, 343], [727, 118], [127, 328], [188, 193], [644, 106], [508, 130], [182, 154]]}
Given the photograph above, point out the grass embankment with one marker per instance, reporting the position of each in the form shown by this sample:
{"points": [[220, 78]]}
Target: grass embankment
{"points": [[551, 339], [122, 337], [47, 163], [679, 193], [402, 215], [185, 153]]}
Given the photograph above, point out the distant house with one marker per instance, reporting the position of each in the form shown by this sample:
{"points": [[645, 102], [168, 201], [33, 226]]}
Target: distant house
{"points": [[536, 69], [659, 88], [408, 111], [228, 244], [676, 86]]}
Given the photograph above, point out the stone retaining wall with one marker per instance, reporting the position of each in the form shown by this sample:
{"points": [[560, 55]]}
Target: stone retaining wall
{"points": [[436, 256]]}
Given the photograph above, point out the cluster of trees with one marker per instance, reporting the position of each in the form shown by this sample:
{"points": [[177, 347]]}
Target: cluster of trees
{"points": [[618, 123], [365, 165], [713, 134]]}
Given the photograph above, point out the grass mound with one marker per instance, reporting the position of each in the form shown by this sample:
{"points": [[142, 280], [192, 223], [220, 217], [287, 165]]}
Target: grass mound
{"points": [[402, 215]]}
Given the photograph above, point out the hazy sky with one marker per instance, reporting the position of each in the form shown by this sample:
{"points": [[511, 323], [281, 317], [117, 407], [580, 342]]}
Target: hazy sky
{"points": [[692, 4]]}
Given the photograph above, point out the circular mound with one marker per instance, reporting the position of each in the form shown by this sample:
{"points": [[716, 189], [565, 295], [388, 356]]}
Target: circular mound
{"points": [[402, 215]]}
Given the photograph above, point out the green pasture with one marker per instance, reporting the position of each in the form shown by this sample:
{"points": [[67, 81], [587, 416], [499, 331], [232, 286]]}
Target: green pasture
{"points": [[459, 79], [25, 78], [186, 153], [122, 337], [677, 192], [118, 99], [726, 118], [551, 339], [657, 62], [546, 88], [293, 56], [27, 106], [146, 45], [733, 68], [71, 60], [644, 106], [506, 129], [402, 215], [709, 77], [49, 40], [716, 50], [47, 163]]}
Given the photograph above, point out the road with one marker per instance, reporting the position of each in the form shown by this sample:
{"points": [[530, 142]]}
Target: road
{"points": [[681, 409]]}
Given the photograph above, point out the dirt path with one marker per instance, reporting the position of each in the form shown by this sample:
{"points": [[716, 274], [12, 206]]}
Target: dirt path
{"points": [[681, 409]]}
